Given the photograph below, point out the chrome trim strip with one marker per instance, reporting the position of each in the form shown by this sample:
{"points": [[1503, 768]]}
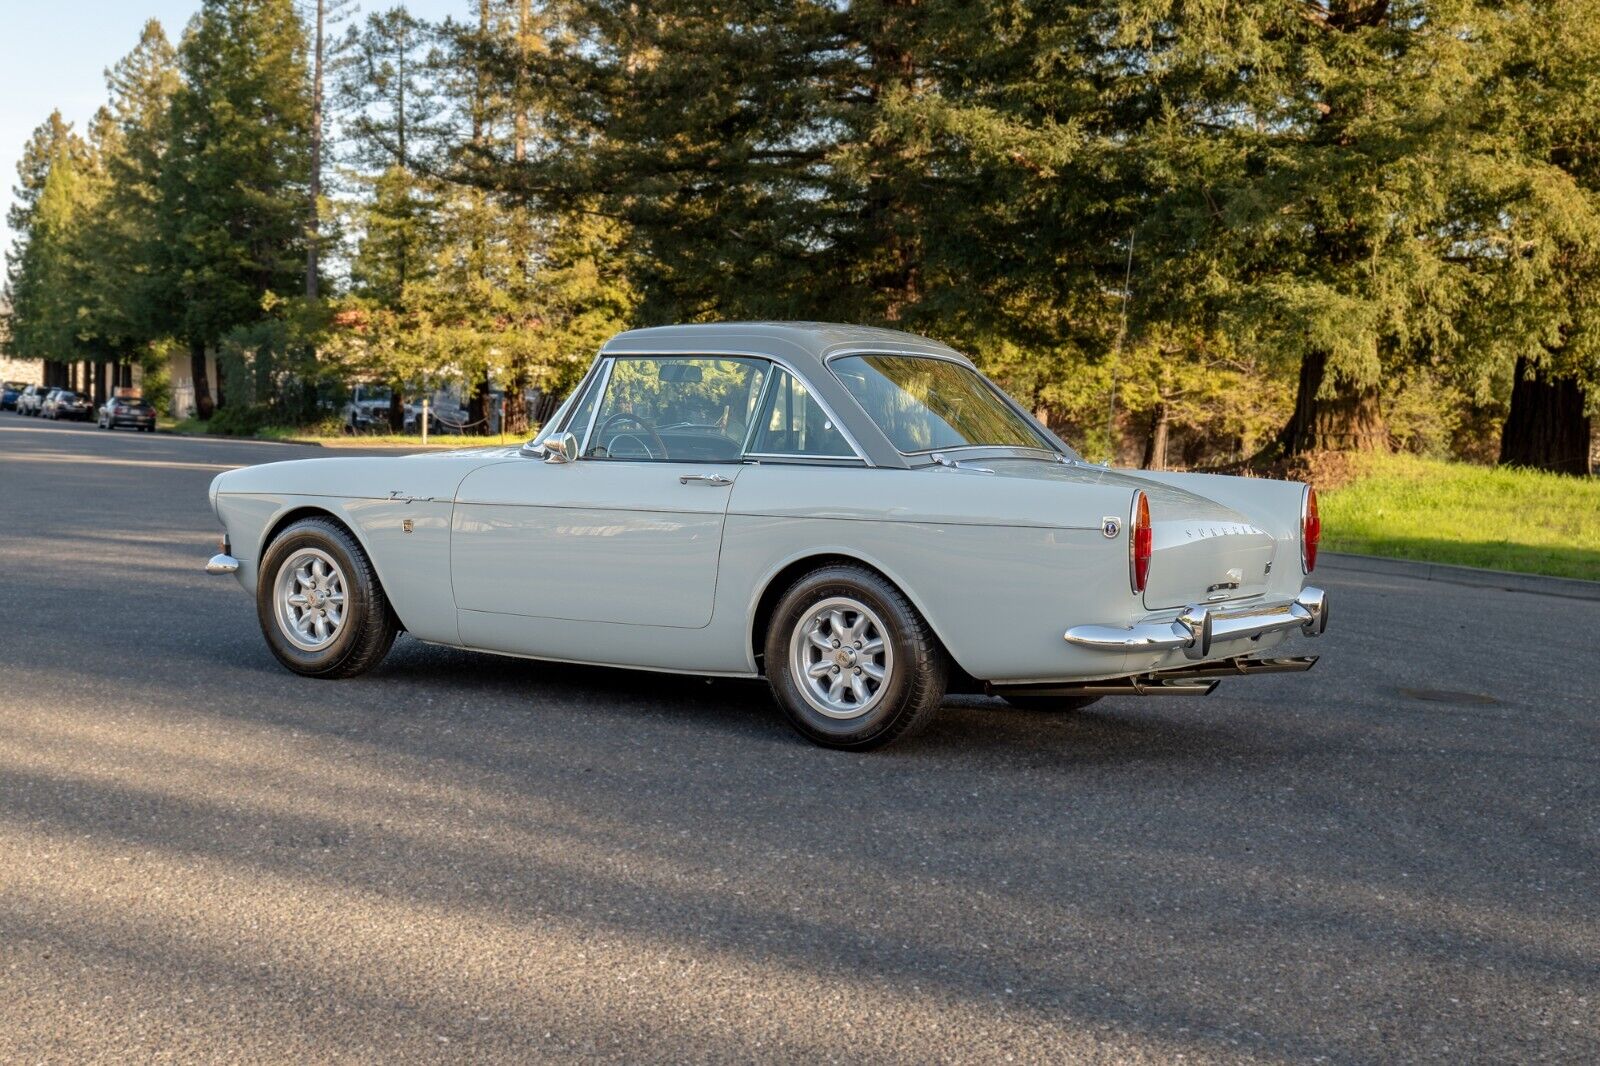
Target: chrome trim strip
{"points": [[1197, 628], [755, 415], [1305, 506], [599, 402], [794, 456]]}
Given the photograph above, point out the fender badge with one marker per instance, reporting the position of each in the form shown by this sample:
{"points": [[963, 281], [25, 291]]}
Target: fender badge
{"points": [[407, 525], [1111, 525]]}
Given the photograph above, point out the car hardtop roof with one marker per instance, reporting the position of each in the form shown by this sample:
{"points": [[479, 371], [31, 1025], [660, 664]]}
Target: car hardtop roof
{"points": [[806, 342]]}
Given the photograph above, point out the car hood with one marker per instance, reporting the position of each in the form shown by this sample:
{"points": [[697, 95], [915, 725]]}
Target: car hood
{"points": [[426, 475]]}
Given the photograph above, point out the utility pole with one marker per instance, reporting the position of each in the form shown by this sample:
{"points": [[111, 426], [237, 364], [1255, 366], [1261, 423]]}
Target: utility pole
{"points": [[314, 229]]}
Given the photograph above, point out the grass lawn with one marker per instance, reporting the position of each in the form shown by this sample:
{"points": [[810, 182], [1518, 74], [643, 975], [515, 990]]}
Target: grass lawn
{"points": [[1443, 512]]}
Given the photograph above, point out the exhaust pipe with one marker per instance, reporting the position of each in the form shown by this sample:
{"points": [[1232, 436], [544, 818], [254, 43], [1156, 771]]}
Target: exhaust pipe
{"points": [[1144, 685], [1197, 680], [1242, 667]]}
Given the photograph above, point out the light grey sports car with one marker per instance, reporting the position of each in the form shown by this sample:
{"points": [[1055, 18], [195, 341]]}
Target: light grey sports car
{"points": [[858, 515]]}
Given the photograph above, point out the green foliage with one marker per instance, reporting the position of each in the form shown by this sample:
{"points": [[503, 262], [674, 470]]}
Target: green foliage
{"points": [[1423, 413], [130, 301], [234, 183], [1212, 218], [1504, 519], [46, 275], [239, 419]]}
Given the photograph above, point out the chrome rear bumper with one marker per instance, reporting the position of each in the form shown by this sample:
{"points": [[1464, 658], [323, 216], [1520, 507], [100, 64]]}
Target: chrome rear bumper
{"points": [[1198, 627]]}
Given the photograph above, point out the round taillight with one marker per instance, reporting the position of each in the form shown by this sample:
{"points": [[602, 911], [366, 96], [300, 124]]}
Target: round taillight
{"points": [[1141, 540], [1310, 530]]}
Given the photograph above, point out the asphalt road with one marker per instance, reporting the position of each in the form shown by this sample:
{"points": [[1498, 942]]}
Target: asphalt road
{"points": [[465, 857]]}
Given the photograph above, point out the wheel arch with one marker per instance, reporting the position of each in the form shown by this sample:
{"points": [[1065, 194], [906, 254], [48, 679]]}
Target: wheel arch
{"points": [[786, 573], [297, 512], [294, 514]]}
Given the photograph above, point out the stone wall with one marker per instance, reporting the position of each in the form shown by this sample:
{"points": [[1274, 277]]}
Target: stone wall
{"points": [[27, 371]]}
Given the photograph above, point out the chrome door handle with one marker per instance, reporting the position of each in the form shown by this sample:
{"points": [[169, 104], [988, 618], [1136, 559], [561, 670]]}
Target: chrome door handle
{"points": [[709, 479]]}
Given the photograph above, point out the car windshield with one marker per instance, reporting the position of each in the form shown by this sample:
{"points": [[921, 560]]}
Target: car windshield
{"points": [[923, 404]]}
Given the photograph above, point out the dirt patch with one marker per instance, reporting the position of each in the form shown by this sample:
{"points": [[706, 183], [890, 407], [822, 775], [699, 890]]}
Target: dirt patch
{"points": [[1326, 470]]}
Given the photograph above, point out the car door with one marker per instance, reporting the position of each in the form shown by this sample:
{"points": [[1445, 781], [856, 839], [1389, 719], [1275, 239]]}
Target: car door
{"points": [[630, 531]]}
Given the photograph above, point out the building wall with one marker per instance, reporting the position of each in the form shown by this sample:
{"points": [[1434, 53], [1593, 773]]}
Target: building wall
{"points": [[27, 371], [183, 383]]}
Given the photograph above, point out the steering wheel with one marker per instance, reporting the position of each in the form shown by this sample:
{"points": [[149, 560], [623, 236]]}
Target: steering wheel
{"points": [[622, 417]]}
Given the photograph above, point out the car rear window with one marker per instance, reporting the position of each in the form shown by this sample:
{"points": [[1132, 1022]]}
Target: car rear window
{"points": [[923, 403]]}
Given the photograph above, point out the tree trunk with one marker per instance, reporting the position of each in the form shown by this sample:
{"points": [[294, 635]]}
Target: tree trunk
{"points": [[1155, 445], [515, 419], [478, 407], [397, 411], [1351, 420], [203, 406], [1546, 427]]}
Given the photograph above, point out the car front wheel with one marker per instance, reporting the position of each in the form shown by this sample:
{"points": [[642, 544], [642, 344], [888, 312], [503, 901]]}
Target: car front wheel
{"points": [[319, 602], [852, 663]]}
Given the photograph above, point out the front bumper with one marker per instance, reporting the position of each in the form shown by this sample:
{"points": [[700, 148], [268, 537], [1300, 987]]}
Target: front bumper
{"points": [[222, 562], [1197, 628]]}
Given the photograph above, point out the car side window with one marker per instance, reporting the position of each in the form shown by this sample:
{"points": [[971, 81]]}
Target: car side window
{"points": [[792, 422], [676, 408]]}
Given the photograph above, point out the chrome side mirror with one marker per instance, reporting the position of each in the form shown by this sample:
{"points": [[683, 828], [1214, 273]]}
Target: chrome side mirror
{"points": [[562, 448]]}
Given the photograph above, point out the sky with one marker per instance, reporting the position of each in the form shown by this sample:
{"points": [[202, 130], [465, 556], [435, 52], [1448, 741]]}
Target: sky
{"points": [[54, 55]]}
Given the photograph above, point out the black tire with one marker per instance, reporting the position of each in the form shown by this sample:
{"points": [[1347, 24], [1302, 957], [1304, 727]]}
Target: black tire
{"points": [[912, 687], [1052, 704], [368, 628]]}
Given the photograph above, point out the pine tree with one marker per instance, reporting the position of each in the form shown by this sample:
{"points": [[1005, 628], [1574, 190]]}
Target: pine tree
{"points": [[235, 183], [128, 292], [45, 280], [1548, 102], [388, 90]]}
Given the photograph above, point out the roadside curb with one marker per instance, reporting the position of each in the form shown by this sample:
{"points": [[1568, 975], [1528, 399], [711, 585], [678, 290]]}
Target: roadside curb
{"points": [[1537, 584]]}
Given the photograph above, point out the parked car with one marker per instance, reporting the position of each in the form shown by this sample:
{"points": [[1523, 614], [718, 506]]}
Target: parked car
{"points": [[367, 411], [855, 514], [126, 411], [31, 399], [10, 392], [64, 403]]}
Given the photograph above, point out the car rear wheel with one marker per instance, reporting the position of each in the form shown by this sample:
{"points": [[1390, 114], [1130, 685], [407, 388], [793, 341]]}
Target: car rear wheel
{"points": [[319, 602], [851, 662], [1053, 704]]}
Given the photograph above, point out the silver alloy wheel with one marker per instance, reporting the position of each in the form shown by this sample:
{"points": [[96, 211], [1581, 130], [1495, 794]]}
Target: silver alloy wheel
{"points": [[840, 657], [309, 599]]}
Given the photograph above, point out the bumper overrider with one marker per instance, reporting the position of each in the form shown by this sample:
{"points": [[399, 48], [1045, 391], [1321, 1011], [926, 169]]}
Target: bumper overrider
{"points": [[223, 562], [1198, 628]]}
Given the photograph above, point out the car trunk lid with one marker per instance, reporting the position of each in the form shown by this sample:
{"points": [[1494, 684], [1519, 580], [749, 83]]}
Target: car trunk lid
{"points": [[1203, 551], [1202, 556]]}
